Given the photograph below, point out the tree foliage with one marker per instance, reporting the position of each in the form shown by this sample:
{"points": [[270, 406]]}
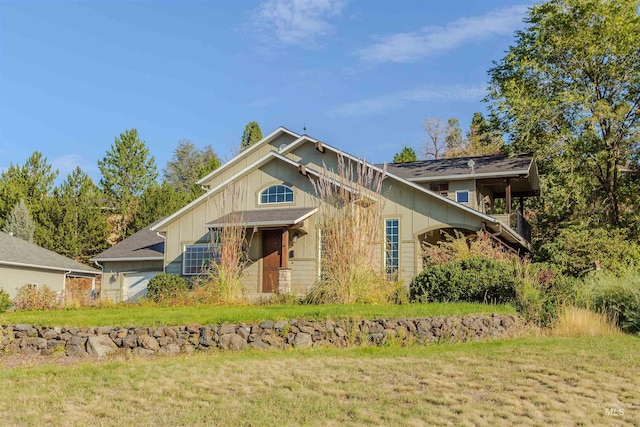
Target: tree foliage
{"points": [[407, 154], [188, 165], [19, 223], [568, 90], [127, 170], [251, 135], [73, 218], [157, 201]]}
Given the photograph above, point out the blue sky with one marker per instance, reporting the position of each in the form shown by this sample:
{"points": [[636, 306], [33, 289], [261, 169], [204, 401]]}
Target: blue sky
{"points": [[359, 75]]}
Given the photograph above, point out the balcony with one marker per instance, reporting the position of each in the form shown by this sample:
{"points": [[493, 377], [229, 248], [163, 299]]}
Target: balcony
{"points": [[517, 222]]}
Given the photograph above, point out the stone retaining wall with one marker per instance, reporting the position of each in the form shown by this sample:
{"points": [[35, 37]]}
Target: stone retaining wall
{"points": [[169, 340]]}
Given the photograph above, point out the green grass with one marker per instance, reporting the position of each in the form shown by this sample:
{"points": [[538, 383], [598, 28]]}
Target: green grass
{"points": [[156, 316], [531, 381]]}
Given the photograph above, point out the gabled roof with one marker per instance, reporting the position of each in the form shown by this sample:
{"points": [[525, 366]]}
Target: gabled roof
{"points": [[20, 253], [265, 217], [463, 167], [273, 135], [145, 245]]}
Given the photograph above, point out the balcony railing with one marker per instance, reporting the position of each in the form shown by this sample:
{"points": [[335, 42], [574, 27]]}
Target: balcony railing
{"points": [[516, 221]]}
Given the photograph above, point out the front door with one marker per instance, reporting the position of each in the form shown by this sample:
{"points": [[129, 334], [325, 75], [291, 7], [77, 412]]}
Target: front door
{"points": [[271, 253]]}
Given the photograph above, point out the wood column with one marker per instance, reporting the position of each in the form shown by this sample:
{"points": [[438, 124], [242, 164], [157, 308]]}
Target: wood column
{"points": [[522, 205], [507, 196], [284, 259]]}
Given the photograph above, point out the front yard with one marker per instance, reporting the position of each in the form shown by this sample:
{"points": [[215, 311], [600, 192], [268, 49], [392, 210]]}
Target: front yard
{"points": [[530, 381]]}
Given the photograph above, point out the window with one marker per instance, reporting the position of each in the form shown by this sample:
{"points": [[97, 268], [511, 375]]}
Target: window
{"points": [[462, 196], [441, 189], [392, 242], [277, 194], [197, 258]]}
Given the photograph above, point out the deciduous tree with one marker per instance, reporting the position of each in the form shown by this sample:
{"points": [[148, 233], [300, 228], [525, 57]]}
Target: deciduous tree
{"points": [[188, 164]]}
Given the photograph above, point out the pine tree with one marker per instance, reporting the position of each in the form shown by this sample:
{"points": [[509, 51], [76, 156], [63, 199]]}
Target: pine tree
{"points": [[407, 154], [127, 170], [20, 224], [157, 201], [251, 135]]}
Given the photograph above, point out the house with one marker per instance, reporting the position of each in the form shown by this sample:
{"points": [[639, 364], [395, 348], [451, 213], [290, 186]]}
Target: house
{"points": [[128, 265], [24, 263], [280, 208]]}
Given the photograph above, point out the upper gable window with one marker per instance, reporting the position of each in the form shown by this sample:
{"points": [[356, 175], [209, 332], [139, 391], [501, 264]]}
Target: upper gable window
{"points": [[462, 196], [276, 194]]}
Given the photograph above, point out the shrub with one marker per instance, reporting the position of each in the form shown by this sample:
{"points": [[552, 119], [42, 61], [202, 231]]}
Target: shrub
{"points": [[620, 296], [460, 247], [576, 249], [31, 297], [473, 279], [165, 288], [5, 302]]}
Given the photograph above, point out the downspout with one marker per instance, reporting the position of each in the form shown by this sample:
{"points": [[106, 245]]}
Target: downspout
{"points": [[101, 278], [164, 253], [64, 284]]}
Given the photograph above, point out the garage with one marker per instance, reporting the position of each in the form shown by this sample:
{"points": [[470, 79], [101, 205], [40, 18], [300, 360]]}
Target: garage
{"points": [[135, 284]]}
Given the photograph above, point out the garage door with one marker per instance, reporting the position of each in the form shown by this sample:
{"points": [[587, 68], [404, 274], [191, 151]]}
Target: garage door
{"points": [[135, 284]]}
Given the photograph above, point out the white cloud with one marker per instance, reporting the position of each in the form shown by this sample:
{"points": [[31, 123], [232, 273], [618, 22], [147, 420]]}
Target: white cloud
{"points": [[396, 100], [296, 22], [412, 46]]}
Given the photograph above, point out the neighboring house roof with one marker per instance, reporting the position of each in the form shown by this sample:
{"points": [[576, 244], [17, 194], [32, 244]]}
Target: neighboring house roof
{"points": [[20, 253], [145, 245], [463, 168], [265, 217]]}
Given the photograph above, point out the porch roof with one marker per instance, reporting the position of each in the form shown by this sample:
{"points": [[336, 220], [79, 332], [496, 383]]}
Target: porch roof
{"points": [[264, 217]]}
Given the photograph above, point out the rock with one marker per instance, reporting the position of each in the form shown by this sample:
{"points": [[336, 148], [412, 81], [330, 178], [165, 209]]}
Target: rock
{"points": [[79, 341], [22, 327], [307, 329], [226, 329], [104, 330], [130, 341], [75, 350], [232, 342], [170, 332], [267, 324], [302, 340], [258, 344], [38, 343], [149, 343], [170, 350], [243, 332], [49, 334], [205, 338], [193, 328], [139, 351], [101, 345], [280, 325]]}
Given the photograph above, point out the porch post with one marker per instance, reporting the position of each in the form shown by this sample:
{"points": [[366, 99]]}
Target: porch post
{"points": [[507, 194], [285, 248], [521, 205]]}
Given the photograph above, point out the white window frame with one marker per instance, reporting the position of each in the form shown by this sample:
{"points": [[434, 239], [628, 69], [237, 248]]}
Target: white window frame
{"points": [[284, 195], [461, 192], [389, 254], [188, 268]]}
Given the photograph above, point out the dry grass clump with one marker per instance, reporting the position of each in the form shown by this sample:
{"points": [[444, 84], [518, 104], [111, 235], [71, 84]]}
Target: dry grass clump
{"points": [[582, 322], [349, 220], [230, 246], [459, 247]]}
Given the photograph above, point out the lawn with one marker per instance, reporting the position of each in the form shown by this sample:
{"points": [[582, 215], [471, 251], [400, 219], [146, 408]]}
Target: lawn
{"points": [[125, 316], [530, 381]]}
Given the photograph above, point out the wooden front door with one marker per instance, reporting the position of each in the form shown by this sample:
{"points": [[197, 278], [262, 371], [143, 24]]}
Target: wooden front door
{"points": [[271, 258]]}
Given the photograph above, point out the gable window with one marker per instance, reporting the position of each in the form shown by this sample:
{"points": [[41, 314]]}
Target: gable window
{"points": [[196, 259], [276, 194], [441, 189], [462, 196], [392, 245]]}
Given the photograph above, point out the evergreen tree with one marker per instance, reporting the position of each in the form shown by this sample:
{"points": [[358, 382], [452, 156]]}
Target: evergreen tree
{"points": [[251, 135], [188, 165], [127, 170], [77, 224], [157, 201], [20, 224], [407, 154]]}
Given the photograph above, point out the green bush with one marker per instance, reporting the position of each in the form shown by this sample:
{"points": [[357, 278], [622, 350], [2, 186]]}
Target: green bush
{"points": [[618, 295], [5, 302], [576, 249], [164, 288], [31, 297], [472, 279]]}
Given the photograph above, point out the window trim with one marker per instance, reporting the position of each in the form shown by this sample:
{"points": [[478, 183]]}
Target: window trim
{"points": [[388, 253], [283, 185], [461, 192], [208, 246]]}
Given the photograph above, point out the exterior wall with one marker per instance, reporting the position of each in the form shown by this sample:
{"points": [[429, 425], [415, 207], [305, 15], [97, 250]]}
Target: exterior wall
{"points": [[113, 275], [11, 278]]}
